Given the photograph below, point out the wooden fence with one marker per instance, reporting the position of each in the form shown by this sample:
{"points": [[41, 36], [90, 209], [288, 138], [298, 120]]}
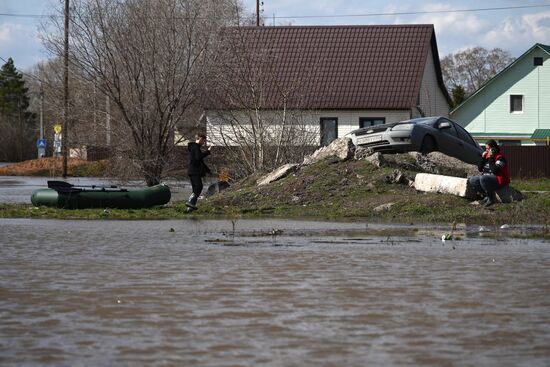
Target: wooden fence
{"points": [[528, 161]]}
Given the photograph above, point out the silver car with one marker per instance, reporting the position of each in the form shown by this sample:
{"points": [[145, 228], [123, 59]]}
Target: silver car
{"points": [[425, 134]]}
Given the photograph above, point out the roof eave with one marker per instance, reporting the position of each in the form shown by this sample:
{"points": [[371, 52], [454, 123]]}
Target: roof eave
{"points": [[435, 55]]}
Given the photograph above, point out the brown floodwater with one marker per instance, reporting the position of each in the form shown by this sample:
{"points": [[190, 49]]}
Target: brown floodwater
{"points": [[265, 293]]}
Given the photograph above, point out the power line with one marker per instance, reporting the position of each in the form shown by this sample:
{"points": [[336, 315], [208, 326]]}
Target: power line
{"points": [[413, 12], [347, 15], [22, 15]]}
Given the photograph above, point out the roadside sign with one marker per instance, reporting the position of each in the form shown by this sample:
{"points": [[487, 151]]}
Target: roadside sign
{"points": [[57, 144], [41, 145]]}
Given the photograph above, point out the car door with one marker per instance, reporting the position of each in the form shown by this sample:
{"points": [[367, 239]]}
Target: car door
{"points": [[471, 150], [447, 139]]}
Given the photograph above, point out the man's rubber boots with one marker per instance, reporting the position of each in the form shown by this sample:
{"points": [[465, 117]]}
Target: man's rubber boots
{"points": [[192, 202]]}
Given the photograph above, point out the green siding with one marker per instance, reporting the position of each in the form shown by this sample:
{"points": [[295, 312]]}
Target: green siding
{"points": [[488, 111]]}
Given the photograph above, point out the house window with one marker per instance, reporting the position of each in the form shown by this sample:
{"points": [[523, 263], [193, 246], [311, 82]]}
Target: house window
{"points": [[371, 121], [329, 130], [516, 103], [537, 61]]}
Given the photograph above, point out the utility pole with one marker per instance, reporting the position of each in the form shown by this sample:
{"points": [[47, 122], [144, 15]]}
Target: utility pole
{"points": [[108, 119], [257, 13], [65, 91], [41, 111]]}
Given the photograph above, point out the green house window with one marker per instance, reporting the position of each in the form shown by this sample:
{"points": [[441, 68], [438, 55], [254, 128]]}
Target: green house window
{"points": [[516, 103]]}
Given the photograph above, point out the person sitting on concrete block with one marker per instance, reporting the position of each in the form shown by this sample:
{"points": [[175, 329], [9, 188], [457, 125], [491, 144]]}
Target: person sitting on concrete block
{"points": [[494, 173]]}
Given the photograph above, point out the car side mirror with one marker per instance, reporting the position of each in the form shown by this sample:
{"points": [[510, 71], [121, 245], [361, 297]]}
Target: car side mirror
{"points": [[444, 125]]}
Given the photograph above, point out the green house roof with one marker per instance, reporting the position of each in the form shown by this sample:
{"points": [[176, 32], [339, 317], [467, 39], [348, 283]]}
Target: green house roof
{"points": [[540, 134]]}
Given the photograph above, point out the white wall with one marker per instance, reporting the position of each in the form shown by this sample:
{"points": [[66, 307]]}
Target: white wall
{"points": [[348, 120], [432, 99]]}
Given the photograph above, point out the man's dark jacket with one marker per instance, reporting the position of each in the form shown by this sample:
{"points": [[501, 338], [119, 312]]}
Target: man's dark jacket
{"points": [[197, 167]]}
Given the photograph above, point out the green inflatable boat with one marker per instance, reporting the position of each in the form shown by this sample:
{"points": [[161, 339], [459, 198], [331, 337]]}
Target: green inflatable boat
{"points": [[61, 194]]}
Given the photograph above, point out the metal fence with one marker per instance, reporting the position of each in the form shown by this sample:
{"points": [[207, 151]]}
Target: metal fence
{"points": [[528, 161], [523, 161]]}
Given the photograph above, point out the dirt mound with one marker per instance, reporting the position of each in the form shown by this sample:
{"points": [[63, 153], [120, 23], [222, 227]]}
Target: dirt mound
{"points": [[51, 166]]}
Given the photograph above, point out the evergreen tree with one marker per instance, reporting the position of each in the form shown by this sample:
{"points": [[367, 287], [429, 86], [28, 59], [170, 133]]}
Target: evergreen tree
{"points": [[13, 94], [16, 123], [458, 94]]}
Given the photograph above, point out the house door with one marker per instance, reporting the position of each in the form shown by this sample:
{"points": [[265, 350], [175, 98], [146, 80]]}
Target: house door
{"points": [[329, 130]]}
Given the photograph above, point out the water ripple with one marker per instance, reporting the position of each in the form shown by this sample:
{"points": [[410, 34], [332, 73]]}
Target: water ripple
{"points": [[133, 293]]}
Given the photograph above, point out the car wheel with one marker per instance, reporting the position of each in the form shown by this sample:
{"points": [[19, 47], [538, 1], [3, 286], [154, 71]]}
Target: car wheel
{"points": [[428, 145]]}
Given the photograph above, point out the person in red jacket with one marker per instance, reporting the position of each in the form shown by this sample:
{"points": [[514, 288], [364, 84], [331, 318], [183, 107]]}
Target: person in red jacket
{"points": [[494, 173], [197, 169]]}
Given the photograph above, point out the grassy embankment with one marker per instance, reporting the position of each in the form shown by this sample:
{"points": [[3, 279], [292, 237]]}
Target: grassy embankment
{"points": [[351, 190]]}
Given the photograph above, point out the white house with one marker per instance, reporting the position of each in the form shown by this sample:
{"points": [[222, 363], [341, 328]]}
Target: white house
{"points": [[332, 79]]}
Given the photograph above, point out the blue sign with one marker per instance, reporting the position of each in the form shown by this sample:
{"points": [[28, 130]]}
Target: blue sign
{"points": [[41, 143]]}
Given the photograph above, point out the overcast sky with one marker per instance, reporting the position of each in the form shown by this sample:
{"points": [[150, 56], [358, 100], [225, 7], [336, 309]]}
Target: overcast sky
{"points": [[515, 30]]}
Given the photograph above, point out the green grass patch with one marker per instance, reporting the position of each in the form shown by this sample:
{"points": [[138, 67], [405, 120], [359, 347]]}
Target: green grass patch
{"points": [[351, 190], [534, 184]]}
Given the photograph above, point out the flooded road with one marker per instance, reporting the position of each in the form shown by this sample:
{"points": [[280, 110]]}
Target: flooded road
{"points": [[18, 189], [283, 293]]}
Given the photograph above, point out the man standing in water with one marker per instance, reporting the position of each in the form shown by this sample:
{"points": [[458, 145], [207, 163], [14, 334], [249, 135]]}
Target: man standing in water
{"points": [[197, 168]]}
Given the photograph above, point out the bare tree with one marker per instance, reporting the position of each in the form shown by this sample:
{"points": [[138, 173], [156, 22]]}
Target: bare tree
{"points": [[87, 103], [150, 59], [255, 112], [473, 67]]}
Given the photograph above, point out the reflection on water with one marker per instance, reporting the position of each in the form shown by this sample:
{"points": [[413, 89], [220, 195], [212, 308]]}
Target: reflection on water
{"points": [[196, 293]]}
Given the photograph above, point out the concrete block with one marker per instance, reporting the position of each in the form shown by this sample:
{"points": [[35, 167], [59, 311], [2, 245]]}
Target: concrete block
{"points": [[459, 186], [428, 182], [341, 148], [279, 173]]}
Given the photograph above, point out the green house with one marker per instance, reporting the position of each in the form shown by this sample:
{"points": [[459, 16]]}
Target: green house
{"points": [[514, 106]]}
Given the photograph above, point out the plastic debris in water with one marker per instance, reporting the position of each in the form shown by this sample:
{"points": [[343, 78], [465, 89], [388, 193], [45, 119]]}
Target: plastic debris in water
{"points": [[446, 237], [483, 229]]}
